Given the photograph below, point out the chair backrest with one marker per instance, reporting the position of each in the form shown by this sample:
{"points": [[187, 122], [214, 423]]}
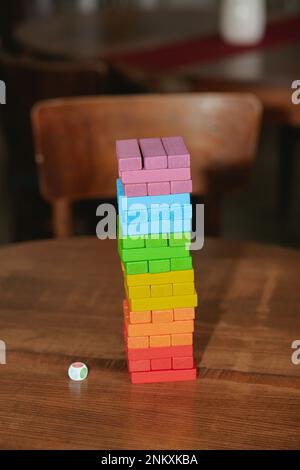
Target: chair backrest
{"points": [[75, 140]]}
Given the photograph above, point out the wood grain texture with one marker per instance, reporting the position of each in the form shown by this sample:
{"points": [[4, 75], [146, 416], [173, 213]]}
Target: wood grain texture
{"points": [[75, 141], [62, 300]]}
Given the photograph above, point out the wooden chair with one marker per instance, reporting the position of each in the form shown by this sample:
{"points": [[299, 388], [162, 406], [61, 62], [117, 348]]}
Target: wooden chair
{"points": [[29, 80], [75, 144]]}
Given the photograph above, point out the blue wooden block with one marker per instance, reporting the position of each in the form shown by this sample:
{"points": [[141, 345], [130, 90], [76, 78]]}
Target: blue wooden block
{"points": [[155, 227]]}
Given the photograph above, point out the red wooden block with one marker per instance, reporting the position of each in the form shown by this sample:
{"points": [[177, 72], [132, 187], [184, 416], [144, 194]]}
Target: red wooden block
{"points": [[183, 362], [139, 366], [161, 364], [158, 353], [163, 376]]}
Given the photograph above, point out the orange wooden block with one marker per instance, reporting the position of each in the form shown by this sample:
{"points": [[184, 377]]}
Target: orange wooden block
{"points": [[161, 364], [182, 362], [138, 342], [162, 316], [160, 341], [187, 313], [139, 366], [156, 329], [181, 339], [139, 317]]}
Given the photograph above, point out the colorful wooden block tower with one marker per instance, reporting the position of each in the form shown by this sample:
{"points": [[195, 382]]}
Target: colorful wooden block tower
{"points": [[154, 235]]}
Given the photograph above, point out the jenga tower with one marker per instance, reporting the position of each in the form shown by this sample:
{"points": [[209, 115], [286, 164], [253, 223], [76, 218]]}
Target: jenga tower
{"points": [[154, 235]]}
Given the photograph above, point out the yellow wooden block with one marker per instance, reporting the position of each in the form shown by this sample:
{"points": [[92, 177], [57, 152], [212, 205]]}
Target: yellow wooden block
{"points": [[171, 277], [184, 288], [156, 329], [160, 341], [162, 316], [138, 292], [163, 290], [161, 303], [182, 339], [140, 342], [184, 313]]}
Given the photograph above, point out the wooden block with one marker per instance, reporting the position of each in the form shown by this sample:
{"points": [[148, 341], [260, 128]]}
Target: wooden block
{"points": [[160, 278], [161, 364], [177, 152], [181, 314], [163, 303], [128, 155], [136, 267], [159, 189], [159, 329], [141, 365], [160, 352], [163, 341], [135, 189], [180, 239], [140, 317], [138, 342], [163, 290], [158, 241], [182, 362], [180, 264], [154, 154], [159, 266], [129, 243], [145, 254], [154, 176], [182, 339], [183, 288], [162, 316], [138, 292], [163, 376], [180, 187]]}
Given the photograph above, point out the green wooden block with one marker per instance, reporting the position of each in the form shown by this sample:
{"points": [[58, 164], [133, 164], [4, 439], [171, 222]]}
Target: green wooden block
{"points": [[181, 264], [159, 266], [141, 254], [156, 241], [137, 267], [180, 239], [129, 243]]}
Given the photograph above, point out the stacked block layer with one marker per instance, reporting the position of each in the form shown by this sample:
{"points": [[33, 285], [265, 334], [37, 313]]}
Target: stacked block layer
{"points": [[154, 236]]}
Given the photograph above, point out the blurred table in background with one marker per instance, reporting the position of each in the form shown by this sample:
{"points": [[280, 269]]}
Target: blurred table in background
{"points": [[113, 30]]}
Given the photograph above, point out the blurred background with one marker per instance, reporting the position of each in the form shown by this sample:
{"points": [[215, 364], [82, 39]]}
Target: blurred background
{"points": [[67, 48]]}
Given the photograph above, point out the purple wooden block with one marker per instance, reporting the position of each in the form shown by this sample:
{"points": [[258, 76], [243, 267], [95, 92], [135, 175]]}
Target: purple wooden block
{"points": [[178, 154], [155, 157], [159, 189], [181, 187], [135, 190], [128, 155], [155, 176]]}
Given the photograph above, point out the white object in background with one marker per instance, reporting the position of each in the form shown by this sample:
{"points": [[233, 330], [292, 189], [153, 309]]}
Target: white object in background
{"points": [[78, 371], [243, 22]]}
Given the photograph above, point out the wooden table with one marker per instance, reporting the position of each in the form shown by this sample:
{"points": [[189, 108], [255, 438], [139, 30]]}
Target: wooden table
{"points": [[96, 35], [61, 301]]}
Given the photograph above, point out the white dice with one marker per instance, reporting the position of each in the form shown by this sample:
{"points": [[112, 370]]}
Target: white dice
{"points": [[78, 371]]}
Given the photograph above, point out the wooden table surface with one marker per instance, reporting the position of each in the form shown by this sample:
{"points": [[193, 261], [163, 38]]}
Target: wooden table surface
{"points": [[61, 301]]}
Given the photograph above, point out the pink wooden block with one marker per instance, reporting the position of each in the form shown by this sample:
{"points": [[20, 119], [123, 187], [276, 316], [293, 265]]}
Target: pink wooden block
{"points": [[128, 155], [155, 176], [178, 154], [181, 187], [135, 190], [154, 154], [159, 189]]}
